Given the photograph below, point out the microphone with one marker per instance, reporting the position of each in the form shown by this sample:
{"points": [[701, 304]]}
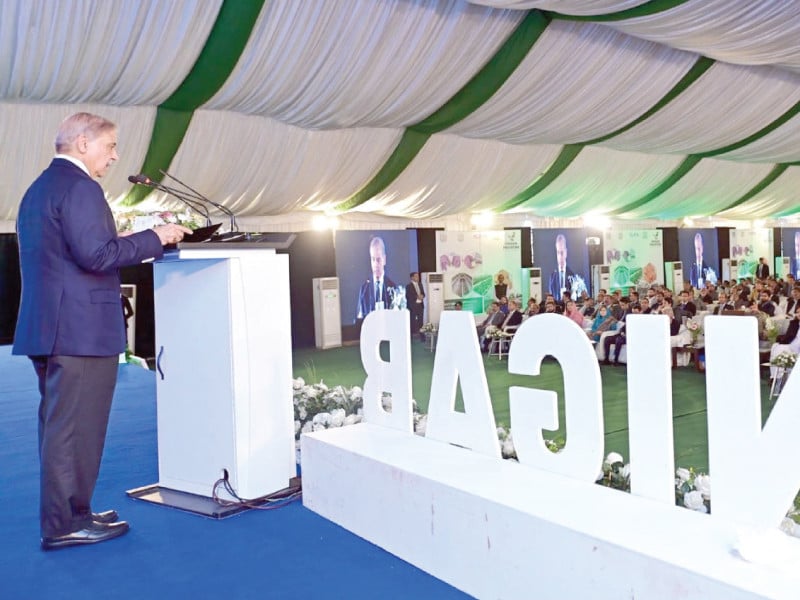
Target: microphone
{"points": [[218, 206], [192, 203], [141, 178]]}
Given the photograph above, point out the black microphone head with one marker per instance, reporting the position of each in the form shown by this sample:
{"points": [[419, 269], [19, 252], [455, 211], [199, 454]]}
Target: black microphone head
{"points": [[140, 178]]}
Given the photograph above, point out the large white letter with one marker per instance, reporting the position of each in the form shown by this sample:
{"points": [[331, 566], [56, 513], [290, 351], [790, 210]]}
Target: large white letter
{"points": [[755, 473], [650, 407], [533, 410], [394, 376], [458, 355]]}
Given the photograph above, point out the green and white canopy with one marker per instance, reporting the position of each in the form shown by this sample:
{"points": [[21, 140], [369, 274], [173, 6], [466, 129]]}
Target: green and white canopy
{"points": [[419, 112]]}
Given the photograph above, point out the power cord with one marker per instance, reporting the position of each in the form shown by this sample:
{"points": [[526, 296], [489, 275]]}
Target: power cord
{"points": [[272, 501]]}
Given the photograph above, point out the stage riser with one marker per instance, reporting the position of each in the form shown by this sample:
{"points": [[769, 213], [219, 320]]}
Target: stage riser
{"points": [[498, 529]]}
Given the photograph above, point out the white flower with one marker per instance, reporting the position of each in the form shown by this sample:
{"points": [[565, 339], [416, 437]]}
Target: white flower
{"points": [[356, 392], [337, 417], [298, 383], [501, 433], [322, 418], [297, 426], [308, 427], [351, 420], [694, 501], [683, 475], [614, 457], [421, 425], [626, 471], [702, 484], [302, 413], [508, 448], [318, 426], [311, 391]]}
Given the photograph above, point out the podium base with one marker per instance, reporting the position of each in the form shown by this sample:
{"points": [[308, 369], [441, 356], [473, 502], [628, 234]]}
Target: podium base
{"points": [[199, 505]]}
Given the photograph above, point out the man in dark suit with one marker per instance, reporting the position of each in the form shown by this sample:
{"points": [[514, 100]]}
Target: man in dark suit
{"points": [[70, 322], [762, 270], [561, 279], [378, 288], [415, 295], [794, 301], [699, 269]]}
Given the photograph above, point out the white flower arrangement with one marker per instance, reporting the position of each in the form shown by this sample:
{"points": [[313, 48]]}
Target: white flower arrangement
{"points": [[771, 329], [785, 359], [316, 407], [136, 220], [428, 328]]}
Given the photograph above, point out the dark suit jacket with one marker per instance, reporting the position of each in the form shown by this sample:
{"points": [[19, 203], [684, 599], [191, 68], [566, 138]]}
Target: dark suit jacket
{"points": [[554, 287], [790, 307], [762, 271], [512, 319], [696, 276], [69, 255], [791, 332], [411, 296], [366, 296]]}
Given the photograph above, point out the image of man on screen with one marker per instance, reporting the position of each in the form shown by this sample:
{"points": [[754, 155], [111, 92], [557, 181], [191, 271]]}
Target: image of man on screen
{"points": [[562, 278], [698, 274], [376, 292]]}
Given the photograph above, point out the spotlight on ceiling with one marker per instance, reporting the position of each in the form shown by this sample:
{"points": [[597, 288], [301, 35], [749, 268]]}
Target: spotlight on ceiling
{"points": [[595, 221], [482, 220], [323, 222]]}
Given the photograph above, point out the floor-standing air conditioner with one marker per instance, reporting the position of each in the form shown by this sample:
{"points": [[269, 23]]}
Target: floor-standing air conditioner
{"points": [[673, 272], [730, 269], [783, 266], [327, 312], [535, 284], [601, 278], [434, 289]]}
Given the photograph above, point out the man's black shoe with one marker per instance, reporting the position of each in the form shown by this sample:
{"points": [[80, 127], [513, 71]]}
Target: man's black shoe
{"points": [[606, 362], [91, 534], [109, 516]]}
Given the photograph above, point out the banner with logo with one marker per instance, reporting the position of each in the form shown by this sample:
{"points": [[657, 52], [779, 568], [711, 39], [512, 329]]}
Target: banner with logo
{"points": [[479, 266], [747, 246], [635, 258]]}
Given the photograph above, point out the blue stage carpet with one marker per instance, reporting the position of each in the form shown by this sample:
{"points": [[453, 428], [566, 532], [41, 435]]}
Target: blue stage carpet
{"points": [[285, 553]]}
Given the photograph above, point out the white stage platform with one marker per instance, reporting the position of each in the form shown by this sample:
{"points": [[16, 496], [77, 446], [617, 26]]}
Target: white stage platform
{"points": [[499, 529]]}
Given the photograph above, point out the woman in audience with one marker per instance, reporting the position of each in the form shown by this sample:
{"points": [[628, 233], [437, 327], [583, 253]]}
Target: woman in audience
{"points": [[573, 313], [603, 321], [533, 308]]}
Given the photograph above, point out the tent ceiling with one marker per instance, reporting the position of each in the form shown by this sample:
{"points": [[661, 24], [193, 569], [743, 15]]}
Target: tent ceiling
{"points": [[420, 109]]}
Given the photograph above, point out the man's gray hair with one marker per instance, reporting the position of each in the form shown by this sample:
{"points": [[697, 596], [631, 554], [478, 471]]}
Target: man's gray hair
{"points": [[81, 123]]}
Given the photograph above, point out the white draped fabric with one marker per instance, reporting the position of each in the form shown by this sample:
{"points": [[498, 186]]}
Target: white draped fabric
{"points": [[727, 104], [118, 53], [580, 81], [707, 189], [322, 94], [603, 181], [354, 63], [464, 176], [297, 168], [32, 128]]}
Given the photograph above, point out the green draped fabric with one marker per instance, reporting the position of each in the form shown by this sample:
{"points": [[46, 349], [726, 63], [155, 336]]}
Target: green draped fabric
{"points": [[680, 171], [648, 8]]}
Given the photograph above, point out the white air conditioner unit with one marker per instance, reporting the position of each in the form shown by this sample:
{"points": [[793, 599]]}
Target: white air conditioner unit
{"points": [[434, 288], [730, 269], [783, 266], [673, 274], [535, 284], [601, 278], [327, 312]]}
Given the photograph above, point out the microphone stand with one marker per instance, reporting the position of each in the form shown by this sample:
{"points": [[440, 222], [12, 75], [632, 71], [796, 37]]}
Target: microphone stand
{"points": [[192, 203], [199, 196]]}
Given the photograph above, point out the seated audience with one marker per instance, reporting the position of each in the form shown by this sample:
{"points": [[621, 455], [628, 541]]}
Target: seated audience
{"points": [[788, 342], [603, 321], [571, 311]]}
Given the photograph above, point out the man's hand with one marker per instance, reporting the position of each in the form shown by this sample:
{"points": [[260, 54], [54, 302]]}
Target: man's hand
{"points": [[171, 233]]}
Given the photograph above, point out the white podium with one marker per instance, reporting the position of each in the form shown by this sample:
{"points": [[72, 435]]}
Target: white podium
{"points": [[224, 374]]}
